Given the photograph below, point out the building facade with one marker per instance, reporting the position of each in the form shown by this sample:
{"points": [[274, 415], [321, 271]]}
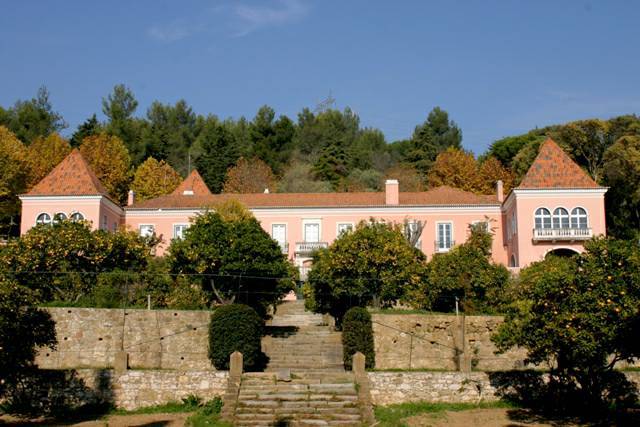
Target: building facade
{"points": [[555, 209]]}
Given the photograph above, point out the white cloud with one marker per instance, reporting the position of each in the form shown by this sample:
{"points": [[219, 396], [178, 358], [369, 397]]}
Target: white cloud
{"points": [[253, 18], [169, 33]]}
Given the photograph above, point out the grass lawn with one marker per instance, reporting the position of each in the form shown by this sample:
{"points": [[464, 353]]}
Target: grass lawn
{"points": [[393, 415]]}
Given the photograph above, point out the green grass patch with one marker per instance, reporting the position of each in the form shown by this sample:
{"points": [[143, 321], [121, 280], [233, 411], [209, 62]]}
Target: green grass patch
{"points": [[631, 369], [393, 415], [167, 408], [411, 370]]}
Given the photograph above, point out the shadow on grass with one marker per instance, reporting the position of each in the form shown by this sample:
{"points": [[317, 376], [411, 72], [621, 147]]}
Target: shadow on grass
{"points": [[44, 396], [540, 400]]}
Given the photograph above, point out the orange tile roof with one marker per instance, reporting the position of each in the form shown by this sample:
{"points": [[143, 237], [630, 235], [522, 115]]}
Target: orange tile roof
{"points": [[193, 182], [72, 177], [440, 196], [553, 168]]}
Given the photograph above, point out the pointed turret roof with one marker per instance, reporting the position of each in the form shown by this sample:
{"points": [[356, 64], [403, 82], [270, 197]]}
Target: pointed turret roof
{"points": [[72, 177], [553, 168], [192, 185]]}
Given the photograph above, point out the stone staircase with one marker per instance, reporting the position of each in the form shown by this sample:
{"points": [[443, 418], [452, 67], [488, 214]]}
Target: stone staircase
{"points": [[304, 399], [305, 383], [300, 340]]}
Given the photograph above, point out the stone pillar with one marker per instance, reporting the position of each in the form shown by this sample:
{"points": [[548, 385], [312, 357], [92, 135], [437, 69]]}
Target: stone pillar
{"points": [[121, 362], [235, 364], [358, 364]]}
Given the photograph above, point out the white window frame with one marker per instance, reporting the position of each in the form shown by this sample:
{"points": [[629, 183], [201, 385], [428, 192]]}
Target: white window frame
{"points": [[105, 222], [350, 226], [47, 221], [578, 216], [179, 224], [71, 216], [54, 220], [560, 217], [451, 239], [286, 233], [542, 217], [486, 223], [152, 226], [306, 222]]}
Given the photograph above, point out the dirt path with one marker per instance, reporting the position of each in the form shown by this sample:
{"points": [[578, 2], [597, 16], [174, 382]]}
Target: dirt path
{"points": [[148, 420], [480, 418]]}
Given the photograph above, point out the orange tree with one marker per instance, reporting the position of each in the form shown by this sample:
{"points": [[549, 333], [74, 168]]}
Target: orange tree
{"points": [[62, 261], [249, 176], [233, 259], [581, 316], [373, 263]]}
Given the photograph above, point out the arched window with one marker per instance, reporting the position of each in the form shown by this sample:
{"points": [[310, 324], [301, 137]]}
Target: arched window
{"points": [[543, 218], [77, 216], [59, 217], [513, 262], [579, 218], [560, 218], [43, 218]]}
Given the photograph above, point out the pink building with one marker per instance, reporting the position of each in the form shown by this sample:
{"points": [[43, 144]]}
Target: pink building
{"points": [[555, 209]]}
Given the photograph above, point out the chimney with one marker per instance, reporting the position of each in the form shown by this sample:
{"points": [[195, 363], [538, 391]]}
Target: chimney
{"points": [[131, 198], [392, 192], [500, 191]]}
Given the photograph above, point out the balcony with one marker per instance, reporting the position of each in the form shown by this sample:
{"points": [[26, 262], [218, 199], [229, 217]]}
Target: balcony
{"points": [[309, 247], [441, 247], [561, 234]]}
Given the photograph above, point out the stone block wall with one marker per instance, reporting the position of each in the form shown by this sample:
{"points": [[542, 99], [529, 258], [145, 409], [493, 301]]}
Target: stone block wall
{"points": [[425, 341], [389, 388], [154, 339], [137, 389]]}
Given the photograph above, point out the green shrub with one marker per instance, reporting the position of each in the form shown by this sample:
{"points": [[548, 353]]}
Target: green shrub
{"points": [[357, 335], [235, 327], [186, 296]]}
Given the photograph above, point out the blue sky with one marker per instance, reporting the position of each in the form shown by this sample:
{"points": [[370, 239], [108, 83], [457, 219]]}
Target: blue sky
{"points": [[498, 67]]}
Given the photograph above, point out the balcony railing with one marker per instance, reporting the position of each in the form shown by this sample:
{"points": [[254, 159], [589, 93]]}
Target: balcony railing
{"points": [[309, 247], [558, 234], [443, 247]]}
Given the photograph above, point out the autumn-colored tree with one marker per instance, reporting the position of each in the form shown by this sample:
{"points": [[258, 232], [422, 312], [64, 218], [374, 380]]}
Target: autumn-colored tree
{"points": [[44, 154], [249, 176], [110, 161], [13, 178], [491, 171], [154, 178], [455, 168], [407, 176]]}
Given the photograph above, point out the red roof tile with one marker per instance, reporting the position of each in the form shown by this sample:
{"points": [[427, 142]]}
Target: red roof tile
{"points": [[72, 177], [553, 168], [193, 182], [438, 196]]}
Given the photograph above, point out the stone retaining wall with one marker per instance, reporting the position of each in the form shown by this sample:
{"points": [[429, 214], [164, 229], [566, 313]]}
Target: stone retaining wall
{"points": [[154, 339], [137, 389], [453, 387], [436, 341]]}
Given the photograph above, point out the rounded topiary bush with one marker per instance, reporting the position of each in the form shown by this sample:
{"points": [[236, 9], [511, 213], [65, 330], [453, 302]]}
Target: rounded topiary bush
{"points": [[235, 327], [357, 335]]}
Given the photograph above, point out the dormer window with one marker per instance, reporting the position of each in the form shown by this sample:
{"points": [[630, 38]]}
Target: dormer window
{"points": [[43, 218], [187, 193]]}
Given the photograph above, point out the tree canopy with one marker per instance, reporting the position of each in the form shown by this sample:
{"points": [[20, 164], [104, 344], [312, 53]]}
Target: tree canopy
{"points": [[233, 259], [579, 316], [249, 176], [373, 263], [154, 178]]}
